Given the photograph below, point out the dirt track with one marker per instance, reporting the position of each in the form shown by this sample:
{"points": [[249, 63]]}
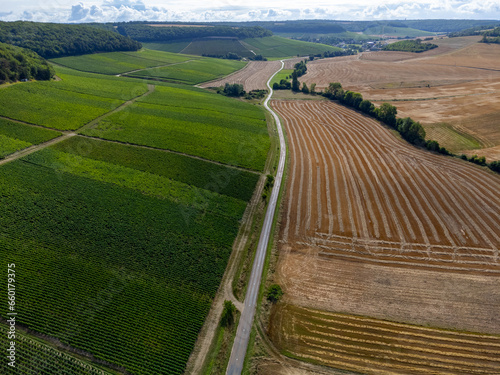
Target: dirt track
{"points": [[373, 226]]}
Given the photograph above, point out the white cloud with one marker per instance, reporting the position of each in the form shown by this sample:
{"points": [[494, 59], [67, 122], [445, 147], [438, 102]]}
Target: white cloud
{"points": [[233, 10]]}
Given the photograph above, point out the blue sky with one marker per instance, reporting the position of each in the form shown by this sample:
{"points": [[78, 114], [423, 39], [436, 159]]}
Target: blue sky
{"points": [[239, 10]]}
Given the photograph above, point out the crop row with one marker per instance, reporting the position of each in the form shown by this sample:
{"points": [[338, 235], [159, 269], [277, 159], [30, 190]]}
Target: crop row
{"points": [[195, 172], [34, 357], [211, 135], [10, 145]]}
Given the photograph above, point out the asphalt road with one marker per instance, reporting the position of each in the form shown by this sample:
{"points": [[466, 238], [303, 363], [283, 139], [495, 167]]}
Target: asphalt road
{"points": [[245, 325]]}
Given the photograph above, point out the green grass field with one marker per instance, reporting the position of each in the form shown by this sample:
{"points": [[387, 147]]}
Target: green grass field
{"points": [[274, 47], [192, 72], [120, 62], [450, 138], [216, 47]]}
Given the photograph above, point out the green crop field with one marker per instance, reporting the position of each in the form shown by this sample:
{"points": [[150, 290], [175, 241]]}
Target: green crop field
{"points": [[175, 46], [67, 104], [15, 136], [192, 72], [120, 248], [143, 245], [278, 47], [120, 62], [36, 357], [191, 171], [216, 47], [222, 134]]}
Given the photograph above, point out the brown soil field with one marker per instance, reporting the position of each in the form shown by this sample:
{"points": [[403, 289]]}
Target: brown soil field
{"points": [[375, 227], [356, 343], [254, 75], [457, 84]]}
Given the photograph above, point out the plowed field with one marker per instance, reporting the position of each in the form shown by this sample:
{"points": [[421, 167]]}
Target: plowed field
{"points": [[373, 226]]}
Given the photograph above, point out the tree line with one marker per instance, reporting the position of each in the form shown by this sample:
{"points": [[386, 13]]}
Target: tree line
{"points": [[51, 40], [18, 64], [145, 33], [409, 46]]}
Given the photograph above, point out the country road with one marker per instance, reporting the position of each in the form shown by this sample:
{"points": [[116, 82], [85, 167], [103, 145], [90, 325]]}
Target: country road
{"points": [[240, 345]]}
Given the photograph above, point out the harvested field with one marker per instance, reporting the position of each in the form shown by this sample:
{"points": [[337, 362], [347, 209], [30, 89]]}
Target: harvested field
{"points": [[373, 226], [356, 343], [255, 75], [457, 84]]}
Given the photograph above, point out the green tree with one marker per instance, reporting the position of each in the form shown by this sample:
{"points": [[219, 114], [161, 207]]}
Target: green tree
{"points": [[295, 82], [305, 89], [367, 107], [387, 114], [227, 318], [313, 88], [274, 293]]}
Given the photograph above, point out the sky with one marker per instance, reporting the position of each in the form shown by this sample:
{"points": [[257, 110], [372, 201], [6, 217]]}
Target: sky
{"points": [[239, 10]]}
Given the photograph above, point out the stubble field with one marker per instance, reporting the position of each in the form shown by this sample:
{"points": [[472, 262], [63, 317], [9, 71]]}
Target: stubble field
{"points": [[455, 87], [374, 227]]}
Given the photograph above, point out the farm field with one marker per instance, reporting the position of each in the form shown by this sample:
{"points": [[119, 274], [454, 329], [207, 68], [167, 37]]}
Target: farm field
{"points": [[276, 47], [137, 236], [67, 104], [374, 227], [175, 46], [221, 133], [216, 46], [120, 62], [255, 75], [429, 87], [16, 136], [36, 356], [356, 343], [192, 72]]}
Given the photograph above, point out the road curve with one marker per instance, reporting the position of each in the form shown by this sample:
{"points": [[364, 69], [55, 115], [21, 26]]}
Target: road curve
{"points": [[245, 325]]}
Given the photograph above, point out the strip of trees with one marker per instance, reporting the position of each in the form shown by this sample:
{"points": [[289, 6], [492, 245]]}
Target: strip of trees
{"points": [[145, 33], [51, 40]]}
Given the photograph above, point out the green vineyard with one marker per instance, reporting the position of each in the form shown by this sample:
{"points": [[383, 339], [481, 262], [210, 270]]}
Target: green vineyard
{"points": [[121, 235]]}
